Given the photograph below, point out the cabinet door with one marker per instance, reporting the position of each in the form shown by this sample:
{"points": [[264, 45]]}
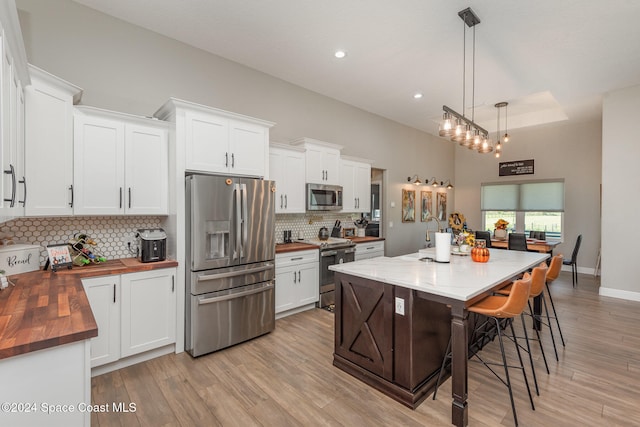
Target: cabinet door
{"points": [[331, 162], [286, 168], [146, 170], [308, 289], [362, 185], [148, 311], [286, 281], [248, 147], [8, 200], [347, 180], [49, 173], [207, 143], [104, 297], [314, 165], [98, 166]]}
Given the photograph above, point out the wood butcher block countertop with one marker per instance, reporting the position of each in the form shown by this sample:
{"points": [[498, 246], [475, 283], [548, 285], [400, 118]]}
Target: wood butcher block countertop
{"points": [[282, 248], [46, 309]]}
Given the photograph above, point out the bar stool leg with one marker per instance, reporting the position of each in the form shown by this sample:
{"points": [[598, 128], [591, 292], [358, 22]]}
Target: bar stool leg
{"points": [[506, 372], [447, 356], [526, 337], [544, 357], [555, 315], [524, 372]]}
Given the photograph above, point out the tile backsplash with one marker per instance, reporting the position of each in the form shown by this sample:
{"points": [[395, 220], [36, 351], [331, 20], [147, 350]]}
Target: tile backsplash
{"points": [[307, 225], [110, 233]]}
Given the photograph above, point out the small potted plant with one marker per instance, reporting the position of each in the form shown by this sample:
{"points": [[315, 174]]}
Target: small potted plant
{"points": [[464, 239], [500, 231]]}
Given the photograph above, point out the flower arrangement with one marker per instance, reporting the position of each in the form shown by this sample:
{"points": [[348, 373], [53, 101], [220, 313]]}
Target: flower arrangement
{"points": [[501, 224], [464, 238]]}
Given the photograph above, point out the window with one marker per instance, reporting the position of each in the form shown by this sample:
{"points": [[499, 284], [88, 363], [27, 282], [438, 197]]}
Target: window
{"points": [[528, 206]]}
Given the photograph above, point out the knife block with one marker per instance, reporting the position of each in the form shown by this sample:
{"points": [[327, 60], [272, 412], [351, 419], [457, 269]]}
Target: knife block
{"points": [[335, 232]]}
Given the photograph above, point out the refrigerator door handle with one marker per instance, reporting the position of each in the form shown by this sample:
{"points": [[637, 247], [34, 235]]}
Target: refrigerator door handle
{"points": [[245, 214], [207, 277], [233, 295], [236, 190]]}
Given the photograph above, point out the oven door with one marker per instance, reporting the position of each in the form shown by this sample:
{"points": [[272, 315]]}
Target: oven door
{"points": [[327, 284]]}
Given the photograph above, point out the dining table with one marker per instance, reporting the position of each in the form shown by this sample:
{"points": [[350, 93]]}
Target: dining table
{"points": [[382, 297], [534, 245]]}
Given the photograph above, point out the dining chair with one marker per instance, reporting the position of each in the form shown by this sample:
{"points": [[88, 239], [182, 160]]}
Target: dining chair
{"points": [[517, 242], [499, 310], [484, 235], [538, 235], [573, 261]]}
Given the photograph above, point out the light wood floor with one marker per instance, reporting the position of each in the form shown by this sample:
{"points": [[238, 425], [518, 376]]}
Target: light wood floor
{"points": [[286, 378]]}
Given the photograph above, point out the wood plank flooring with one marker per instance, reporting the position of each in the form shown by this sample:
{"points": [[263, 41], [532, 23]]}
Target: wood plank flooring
{"points": [[286, 378]]}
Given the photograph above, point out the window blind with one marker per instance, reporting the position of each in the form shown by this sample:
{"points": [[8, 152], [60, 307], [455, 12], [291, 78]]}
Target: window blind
{"points": [[545, 196]]}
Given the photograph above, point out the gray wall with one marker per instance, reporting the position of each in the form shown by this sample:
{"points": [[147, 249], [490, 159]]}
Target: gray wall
{"points": [[620, 201], [126, 68], [571, 151]]}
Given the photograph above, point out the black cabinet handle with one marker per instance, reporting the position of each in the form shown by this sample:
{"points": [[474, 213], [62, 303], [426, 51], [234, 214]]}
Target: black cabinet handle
{"points": [[114, 293], [24, 201], [12, 199], [120, 197], [285, 201], [281, 201], [71, 189], [129, 197], [173, 283], [226, 160], [294, 277], [233, 160], [298, 276]]}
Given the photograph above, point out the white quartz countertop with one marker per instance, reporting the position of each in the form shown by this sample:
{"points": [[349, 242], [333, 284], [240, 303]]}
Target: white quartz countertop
{"points": [[460, 279]]}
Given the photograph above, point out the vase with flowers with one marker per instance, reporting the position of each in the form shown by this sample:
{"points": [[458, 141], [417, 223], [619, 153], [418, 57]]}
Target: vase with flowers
{"points": [[500, 231], [464, 240]]}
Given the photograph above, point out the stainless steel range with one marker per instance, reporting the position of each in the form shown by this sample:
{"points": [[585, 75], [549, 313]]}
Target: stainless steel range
{"points": [[332, 251]]}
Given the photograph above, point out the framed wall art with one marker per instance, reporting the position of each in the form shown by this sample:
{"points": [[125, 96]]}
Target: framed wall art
{"points": [[442, 206], [426, 202], [408, 205]]}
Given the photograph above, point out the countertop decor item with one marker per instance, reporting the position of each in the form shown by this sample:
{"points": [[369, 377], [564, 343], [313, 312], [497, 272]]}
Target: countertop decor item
{"points": [[456, 221], [480, 253], [323, 233]]}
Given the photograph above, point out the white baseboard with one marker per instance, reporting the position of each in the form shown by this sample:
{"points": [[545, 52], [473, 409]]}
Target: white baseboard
{"points": [[295, 310], [581, 270], [619, 293], [132, 360]]}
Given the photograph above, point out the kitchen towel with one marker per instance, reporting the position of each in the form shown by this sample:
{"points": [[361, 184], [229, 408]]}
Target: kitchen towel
{"points": [[443, 247]]}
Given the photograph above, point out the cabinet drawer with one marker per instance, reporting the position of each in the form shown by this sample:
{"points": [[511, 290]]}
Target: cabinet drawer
{"points": [[296, 258], [370, 247]]}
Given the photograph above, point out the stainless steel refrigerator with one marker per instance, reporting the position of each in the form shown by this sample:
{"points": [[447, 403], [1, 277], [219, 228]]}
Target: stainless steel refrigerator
{"points": [[231, 261]]}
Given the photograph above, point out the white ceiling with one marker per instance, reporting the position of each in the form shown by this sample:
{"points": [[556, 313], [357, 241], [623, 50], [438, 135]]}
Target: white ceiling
{"points": [[550, 59]]}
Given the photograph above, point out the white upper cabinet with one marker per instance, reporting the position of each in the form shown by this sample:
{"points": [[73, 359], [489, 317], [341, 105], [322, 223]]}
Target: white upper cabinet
{"points": [[218, 141], [355, 178], [287, 169], [322, 161], [120, 164], [49, 123], [13, 77]]}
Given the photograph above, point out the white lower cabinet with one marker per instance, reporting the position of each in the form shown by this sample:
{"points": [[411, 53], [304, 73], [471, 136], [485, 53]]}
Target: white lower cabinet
{"points": [[297, 281], [104, 298], [148, 311], [135, 312], [369, 250]]}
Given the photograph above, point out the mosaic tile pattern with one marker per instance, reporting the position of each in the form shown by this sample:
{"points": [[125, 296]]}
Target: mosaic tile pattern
{"points": [[308, 225], [111, 233]]}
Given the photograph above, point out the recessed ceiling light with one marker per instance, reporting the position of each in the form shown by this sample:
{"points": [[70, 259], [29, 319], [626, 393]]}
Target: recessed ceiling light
{"points": [[340, 54], [417, 95]]}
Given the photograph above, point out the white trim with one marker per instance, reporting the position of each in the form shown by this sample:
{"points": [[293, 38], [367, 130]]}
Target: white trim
{"points": [[619, 293], [132, 360]]}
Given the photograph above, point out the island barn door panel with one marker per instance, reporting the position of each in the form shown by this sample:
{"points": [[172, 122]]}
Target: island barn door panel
{"points": [[365, 315]]}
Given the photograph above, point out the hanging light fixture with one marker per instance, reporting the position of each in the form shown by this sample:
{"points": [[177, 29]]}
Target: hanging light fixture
{"points": [[454, 125], [505, 138]]}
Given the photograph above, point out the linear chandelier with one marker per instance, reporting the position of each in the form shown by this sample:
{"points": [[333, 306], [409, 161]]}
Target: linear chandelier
{"points": [[456, 126]]}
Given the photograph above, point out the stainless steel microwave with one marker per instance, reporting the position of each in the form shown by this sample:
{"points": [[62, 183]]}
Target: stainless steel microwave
{"points": [[322, 197]]}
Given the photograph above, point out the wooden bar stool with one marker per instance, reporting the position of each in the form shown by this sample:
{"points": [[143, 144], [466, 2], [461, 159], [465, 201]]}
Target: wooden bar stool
{"points": [[500, 309], [538, 277]]}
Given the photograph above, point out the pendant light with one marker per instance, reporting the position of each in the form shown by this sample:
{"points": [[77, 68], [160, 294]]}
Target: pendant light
{"points": [[454, 125]]}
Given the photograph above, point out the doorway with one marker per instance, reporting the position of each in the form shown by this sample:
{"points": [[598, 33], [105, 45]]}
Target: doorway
{"points": [[375, 215]]}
